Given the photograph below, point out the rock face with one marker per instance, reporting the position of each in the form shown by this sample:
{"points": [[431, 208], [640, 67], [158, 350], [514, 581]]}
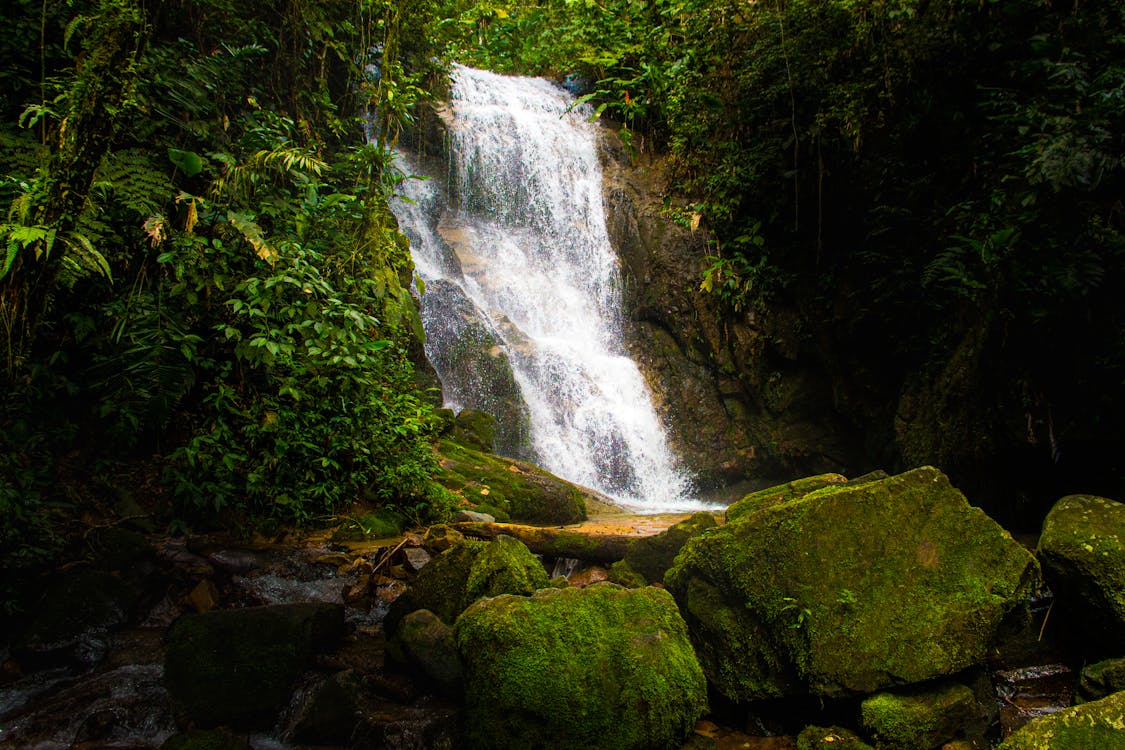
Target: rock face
{"points": [[921, 720], [462, 574], [905, 582], [1099, 725], [238, 666], [579, 668], [1082, 549]]}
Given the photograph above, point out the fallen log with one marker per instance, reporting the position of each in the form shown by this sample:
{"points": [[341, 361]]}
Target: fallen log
{"points": [[554, 542]]}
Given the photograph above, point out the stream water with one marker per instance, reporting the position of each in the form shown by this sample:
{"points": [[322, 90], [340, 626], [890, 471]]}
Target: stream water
{"points": [[520, 273]]}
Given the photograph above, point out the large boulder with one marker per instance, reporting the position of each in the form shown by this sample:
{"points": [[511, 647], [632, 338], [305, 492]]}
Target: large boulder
{"points": [[516, 489], [1082, 549], [1091, 726], [850, 589], [923, 719], [579, 668], [238, 666], [464, 573], [652, 556]]}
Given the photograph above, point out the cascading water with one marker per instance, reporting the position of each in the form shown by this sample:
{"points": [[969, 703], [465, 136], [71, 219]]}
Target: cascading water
{"points": [[519, 264]]}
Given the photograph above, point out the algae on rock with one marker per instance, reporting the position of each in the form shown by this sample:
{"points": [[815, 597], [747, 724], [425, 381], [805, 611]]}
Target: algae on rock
{"points": [[1099, 725], [573, 668], [850, 589]]}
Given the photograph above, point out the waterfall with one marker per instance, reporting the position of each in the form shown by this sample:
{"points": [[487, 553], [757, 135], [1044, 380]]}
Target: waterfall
{"points": [[522, 307]]}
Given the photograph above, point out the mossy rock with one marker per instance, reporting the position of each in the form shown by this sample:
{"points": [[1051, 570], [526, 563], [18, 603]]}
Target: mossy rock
{"points": [[830, 738], [570, 668], [1096, 681], [474, 429], [462, 574], [623, 574], [850, 589], [921, 719], [238, 666], [652, 556], [77, 613], [1099, 725], [782, 493], [522, 491], [1082, 549], [206, 739]]}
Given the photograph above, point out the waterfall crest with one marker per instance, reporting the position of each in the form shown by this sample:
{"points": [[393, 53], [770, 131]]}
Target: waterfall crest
{"points": [[517, 261]]}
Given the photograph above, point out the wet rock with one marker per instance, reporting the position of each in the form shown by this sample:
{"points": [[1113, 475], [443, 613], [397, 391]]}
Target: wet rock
{"points": [[105, 709], [830, 738], [328, 711], [416, 558], [652, 556], [922, 719], [205, 596], [238, 666], [1082, 549], [75, 617], [850, 589], [593, 574], [207, 739], [1099, 680], [1098, 724], [579, 668], [427, 725], [424, 642], [459, 576], [473, 517]]}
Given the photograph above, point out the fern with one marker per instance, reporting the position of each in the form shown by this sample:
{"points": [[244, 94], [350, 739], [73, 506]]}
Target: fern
{"points": [[134, 181]]}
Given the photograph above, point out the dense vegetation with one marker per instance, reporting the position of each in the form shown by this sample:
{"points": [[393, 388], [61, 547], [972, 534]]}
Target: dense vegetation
{"points": [[203, 294], [204, 298], [934, 186]]}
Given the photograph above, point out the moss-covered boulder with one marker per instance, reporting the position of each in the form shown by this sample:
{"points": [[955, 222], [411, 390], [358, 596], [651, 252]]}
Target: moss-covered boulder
{"points": [[770, 496], [238, 666], [579, 668], [1082, 549], [922, 719], [475, 429], [1099, 725], [652, 556], [830, 738], [327, 711], [462, 574], [520, 490], [1098, 680], [850, 589]]}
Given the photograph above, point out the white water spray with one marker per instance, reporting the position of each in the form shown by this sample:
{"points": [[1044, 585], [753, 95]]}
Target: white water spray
{"points": [[524, 250]]}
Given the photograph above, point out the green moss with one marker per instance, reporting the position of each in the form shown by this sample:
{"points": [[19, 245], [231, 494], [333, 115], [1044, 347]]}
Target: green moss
{"points": [[782, 493], [920, 719], [1101, 679], [622, 574], [578, 668], [1099, 725], [462, 574], [382, 524], [520, 490], [850, 588]]}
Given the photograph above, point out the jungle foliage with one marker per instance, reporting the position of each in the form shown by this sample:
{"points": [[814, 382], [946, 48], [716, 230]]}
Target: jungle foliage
{"points": [[201, 284], [934, 184]]}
